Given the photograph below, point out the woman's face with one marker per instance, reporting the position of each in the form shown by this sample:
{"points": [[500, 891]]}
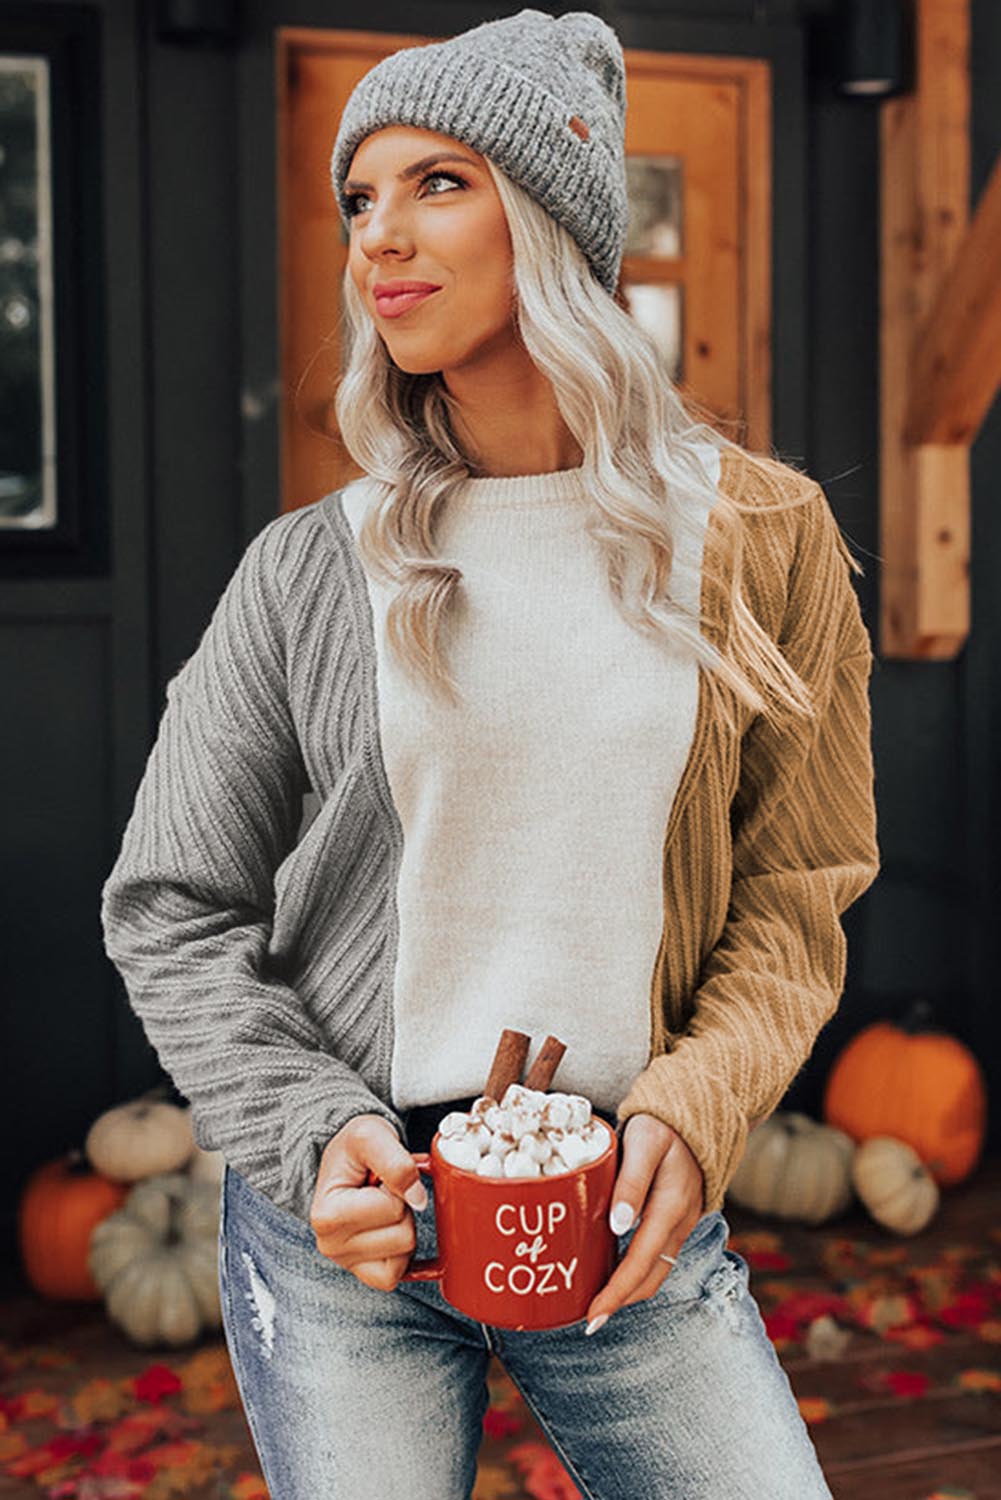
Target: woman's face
{"points": [[423, 208]]}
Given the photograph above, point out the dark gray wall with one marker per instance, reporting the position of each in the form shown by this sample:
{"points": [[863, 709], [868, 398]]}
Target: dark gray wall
{"points": [[187, 373]]}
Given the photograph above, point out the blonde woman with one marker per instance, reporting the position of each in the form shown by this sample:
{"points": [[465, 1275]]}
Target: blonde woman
{"points": [[580, 688]]}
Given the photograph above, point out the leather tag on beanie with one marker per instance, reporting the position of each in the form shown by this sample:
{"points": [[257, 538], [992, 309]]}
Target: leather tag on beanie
{"points": [[578, 127]]}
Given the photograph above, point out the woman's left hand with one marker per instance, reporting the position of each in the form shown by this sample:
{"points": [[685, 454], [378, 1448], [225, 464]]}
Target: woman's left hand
{"points": [[660, 1180]]}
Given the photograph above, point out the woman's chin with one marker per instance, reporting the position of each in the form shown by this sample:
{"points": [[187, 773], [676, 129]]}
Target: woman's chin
{"points": [[413, 363]]}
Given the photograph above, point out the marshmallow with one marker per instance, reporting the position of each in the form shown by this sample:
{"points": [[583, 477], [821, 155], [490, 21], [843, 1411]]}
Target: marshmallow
{"points": [[481, 1137], [537, 1147], [461, 1153], [520, 1164], [455, 1123], [490, 1166], [556, 1112], [574, 1151], [580, 1111]]}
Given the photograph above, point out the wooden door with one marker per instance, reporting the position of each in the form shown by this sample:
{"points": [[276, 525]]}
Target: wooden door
{"points": [[696, 269]]}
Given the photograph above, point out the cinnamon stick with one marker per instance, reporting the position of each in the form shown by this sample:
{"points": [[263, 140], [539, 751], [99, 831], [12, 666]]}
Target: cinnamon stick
{"points": [[509, 1059], [547, 1060]]}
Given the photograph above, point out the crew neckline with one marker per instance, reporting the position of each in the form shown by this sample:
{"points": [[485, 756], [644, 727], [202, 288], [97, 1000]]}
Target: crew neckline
{"points": [[522, 491]]}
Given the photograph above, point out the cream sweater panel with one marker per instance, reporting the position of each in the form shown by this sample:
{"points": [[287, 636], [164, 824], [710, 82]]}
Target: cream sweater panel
{"points": [[530, 891]]}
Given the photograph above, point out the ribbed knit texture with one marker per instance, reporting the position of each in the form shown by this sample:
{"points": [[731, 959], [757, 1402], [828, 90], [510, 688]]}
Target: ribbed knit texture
{"points": [[533, 814], [262, 968], [510, 88], [754, 955]]}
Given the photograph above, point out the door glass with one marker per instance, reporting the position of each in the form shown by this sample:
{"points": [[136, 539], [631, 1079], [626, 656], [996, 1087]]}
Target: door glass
{"points": [[655, 197], [658, 309]]}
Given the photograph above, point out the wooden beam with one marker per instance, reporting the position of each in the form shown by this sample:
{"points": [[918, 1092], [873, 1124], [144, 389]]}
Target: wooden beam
{"points": [[925, 176], [956, 367]]}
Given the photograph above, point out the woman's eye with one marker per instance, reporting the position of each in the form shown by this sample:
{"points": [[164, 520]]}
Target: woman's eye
{"points": [[355, 201], [442, 177]]}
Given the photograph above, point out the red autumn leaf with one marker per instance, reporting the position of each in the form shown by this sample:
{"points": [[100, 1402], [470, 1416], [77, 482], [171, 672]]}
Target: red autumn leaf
{"points": [[57, 1450], [804, 1307], [141, 1427], [969, 1309], [118, 1465], [500, 1424], [767, 1260], [545, 1477], [155, 1382], [778, 1325], [907, 1382]]}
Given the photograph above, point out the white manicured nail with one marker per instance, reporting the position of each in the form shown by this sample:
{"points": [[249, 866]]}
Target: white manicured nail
{"points": [[416, 1195], [596, 1323], [620, 1218]]}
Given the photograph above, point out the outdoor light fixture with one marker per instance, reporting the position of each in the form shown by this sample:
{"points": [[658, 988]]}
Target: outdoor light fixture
{"points": [[871, 46], [211, 21]]}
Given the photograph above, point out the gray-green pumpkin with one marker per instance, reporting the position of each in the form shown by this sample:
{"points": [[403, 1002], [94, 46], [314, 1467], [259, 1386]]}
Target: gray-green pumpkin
{"points": [[795, 1168]]}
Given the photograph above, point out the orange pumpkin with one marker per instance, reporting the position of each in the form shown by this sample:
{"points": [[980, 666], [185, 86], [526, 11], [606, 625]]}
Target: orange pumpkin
{"points": [[915, 1083], [60, 1205]]}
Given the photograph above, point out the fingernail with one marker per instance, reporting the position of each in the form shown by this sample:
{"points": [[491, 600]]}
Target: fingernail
{"points": [[417, 1195], [596, 1323], [620, 1218]]}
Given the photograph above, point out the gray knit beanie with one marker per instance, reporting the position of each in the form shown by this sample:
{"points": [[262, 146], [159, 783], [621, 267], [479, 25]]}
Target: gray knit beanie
{"points": [[543, 97]]}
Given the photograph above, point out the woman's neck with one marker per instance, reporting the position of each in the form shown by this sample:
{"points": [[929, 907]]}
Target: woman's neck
{"points": [[508, 422]]}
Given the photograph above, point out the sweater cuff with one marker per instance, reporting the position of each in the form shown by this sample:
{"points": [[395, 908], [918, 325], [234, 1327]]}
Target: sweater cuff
{"points": [[701, 1109]]}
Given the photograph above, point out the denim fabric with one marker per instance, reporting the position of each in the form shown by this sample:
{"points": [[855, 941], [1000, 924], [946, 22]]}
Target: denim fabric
{"points": [[357, 1394]]}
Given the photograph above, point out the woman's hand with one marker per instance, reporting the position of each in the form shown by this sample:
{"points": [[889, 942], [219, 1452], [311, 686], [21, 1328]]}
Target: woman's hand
{"points": [[368, 1230], [659, 1179]]}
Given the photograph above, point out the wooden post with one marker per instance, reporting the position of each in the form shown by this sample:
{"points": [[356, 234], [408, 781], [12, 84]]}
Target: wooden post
{"points": [[925, 486]]}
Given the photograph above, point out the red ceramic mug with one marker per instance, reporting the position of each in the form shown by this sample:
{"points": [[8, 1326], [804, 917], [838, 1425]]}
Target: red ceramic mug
{"points": [[520, 1252]]}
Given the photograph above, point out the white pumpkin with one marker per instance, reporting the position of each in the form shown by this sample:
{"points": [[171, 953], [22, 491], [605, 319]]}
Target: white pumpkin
{"points": [[207, 1166], [894, 1184], [155, 1260], [795, 1168], [140, 1139]]}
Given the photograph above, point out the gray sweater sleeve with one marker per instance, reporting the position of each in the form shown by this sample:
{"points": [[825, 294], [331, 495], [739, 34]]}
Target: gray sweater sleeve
{"points": [[187, 908]]}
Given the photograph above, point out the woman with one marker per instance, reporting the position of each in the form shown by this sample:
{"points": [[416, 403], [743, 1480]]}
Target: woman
{"points": [[581, 689]]}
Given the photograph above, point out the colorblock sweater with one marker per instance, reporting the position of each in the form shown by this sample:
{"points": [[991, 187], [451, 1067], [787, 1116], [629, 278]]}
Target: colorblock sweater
{"points": [[583, 847]]}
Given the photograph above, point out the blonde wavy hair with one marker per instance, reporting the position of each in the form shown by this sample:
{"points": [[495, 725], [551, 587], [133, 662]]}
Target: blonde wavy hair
{"points": [[641, 466]]}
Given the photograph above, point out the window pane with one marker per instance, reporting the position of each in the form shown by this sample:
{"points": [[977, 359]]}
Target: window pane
{"points": [[27, 354], [659, 310], [654, 185]]}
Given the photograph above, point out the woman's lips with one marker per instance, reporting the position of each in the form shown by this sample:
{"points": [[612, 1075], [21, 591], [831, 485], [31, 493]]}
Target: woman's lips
{"points": [[395, 306]]}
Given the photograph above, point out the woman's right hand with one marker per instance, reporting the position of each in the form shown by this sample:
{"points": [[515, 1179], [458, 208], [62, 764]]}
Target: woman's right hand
{"points": [[368, 1230]]}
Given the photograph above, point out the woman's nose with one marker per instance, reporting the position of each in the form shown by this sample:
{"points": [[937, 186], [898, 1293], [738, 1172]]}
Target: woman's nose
{"points": [[385, 230]]}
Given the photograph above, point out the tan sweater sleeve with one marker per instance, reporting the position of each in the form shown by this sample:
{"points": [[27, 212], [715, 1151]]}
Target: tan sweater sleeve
{"points": [[804, 849]]}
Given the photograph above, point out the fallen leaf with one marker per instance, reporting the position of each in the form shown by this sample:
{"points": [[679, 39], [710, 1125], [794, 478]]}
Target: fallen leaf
{"points": [[249, 1487], [815, 1408], [155, 1382], [979, 1380], [825, 1339]]}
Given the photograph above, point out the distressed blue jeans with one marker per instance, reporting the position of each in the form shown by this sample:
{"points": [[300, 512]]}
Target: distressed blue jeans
{"points": [[357, 1394]]}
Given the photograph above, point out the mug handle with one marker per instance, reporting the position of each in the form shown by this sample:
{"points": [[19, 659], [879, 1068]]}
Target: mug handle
{"points": [[418, 1270]]}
